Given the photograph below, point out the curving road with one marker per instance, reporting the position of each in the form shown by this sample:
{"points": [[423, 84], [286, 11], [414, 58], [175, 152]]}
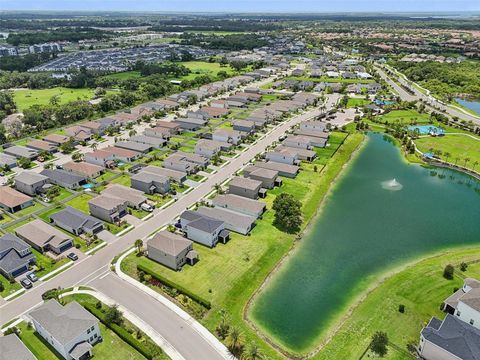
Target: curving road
{"points": [[96, 266]]}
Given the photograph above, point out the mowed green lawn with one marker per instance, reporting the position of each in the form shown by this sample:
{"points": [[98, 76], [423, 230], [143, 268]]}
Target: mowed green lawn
{"points": [[420, 287], [459, 147], [26, 98], [354, 102], [229, 274], [405, 117], [204, 68]]}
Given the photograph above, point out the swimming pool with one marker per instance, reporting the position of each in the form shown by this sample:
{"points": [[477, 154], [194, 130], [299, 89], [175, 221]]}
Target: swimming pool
{"points": [[427, 129], [88, 186], [384, 102]]}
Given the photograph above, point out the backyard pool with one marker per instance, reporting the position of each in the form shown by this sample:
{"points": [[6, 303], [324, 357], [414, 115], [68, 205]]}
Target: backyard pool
{"points": [[88, 186]]}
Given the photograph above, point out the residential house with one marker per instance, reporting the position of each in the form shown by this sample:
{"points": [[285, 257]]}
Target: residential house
{"points": [[107, 157], [213, 112], [7, 161], [82, 168], [233, 220], [150, 183], [44, 237], [185, 162], [203, 229], [78, 133], [240, 204], [11, 347], [283, 156], [108, 208], [243, 125], [64, 178], [297, 141], [13, 200], [465, 303], [283, 169], [69, 329], [171, 126], [153, 141], [31, 183], [190, 123], [209, 148], [171, 250], [245, 187], [158, 132], [76, 222], [133, 198], [450, 339], [173, 175], [56, 139], [21, 152], [269, 178], [227, 136], [313, 126], [134, 146], [299, 153], [15, 256], [41, 145], [94, 127]]}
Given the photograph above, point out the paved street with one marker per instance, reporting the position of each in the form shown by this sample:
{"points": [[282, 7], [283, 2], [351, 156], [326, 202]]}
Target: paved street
{"points": [[428, 99], [177, 331], [95, 266]]}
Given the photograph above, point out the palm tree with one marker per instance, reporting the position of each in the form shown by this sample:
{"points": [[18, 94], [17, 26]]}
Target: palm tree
{"points": [[94, 146], [475, 165], [132, 132], [139, 245], [456, 160], [447, 155], [234, 341], [252, 352], [467, 159]]}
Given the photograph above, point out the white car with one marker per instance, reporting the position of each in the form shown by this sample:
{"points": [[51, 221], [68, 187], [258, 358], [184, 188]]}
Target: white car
{"points": [[147, 207]]}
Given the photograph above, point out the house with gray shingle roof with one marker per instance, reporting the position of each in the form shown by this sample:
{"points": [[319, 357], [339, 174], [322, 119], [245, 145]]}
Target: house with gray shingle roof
{"points": [[450, 339], [70, 330], [233, 220], [203, 229], [76, 222], [21, 152], [240, 204], [31, 183], [7, 161], [465, 302], [11, 347], [249, 188], [171, 250], [64, 178], [15, 256]]}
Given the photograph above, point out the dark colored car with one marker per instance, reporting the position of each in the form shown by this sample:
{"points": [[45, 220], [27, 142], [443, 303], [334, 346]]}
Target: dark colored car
{"points": [[72, 256], [27, 284]]}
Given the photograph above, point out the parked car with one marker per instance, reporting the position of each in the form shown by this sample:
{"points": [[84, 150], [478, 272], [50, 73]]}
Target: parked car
{"points": [[59, 167], [27, 284], [72, 256], [32, 277], [147, 207]]}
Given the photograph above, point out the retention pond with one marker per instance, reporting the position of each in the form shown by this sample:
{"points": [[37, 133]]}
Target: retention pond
{"points": [[382, 213]]}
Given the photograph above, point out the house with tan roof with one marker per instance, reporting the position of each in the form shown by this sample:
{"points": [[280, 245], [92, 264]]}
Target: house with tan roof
{"points": [[78, 133], [41, 145], [44, 237], [56, 139], [83, 168], [465, 303], [171, 250], [245, 187], [12, 200]]}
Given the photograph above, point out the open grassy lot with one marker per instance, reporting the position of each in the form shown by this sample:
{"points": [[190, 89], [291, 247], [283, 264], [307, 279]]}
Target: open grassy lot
{"points": [[126, 75], [31, 209], [26, 98], [245, 261], [204, 68], [107, 175], [420, 287], [8, 287], [80, 203], [405, 117], [459, 147], [122, 180], [354, 102]]}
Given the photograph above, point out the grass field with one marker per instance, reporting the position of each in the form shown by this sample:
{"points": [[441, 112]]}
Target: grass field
{"points": [[420, 287], [458, 146], [245, 261], [354, 102], [26, 98], [204, 68], [80, 203], [405, 117], [126, 75]]}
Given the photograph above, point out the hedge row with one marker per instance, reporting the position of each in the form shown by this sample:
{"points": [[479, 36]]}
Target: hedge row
{"points": [[121, 332], [173, 285]]}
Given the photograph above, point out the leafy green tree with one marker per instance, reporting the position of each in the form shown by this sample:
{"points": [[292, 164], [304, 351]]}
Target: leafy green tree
{"points": [[288, 213], [252, 352], [113, 315], [379, 343], [139, 245], [448, 272]]}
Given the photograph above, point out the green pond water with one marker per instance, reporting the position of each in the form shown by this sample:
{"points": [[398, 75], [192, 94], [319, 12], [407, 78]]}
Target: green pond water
{"points": [[368, 225]]}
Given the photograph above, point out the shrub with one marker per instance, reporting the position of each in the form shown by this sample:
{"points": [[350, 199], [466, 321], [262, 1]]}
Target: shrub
{"points": [[173, 285], [463, 266], [2, 287], [448, 272], [98, 305], [401, 308]]}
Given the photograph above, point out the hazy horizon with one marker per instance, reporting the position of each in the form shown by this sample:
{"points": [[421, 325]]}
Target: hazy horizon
{"points": [[247, 6]]}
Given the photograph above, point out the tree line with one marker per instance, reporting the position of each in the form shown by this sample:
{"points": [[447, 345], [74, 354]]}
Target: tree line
{"points": [[227, 42], [71, 34]]}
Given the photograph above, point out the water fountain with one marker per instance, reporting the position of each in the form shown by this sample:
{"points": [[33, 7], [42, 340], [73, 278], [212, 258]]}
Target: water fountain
{"points": [[392, 185]]}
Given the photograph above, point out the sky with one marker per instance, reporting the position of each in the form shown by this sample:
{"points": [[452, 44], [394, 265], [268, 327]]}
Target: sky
{"points": [[291, 6]]}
